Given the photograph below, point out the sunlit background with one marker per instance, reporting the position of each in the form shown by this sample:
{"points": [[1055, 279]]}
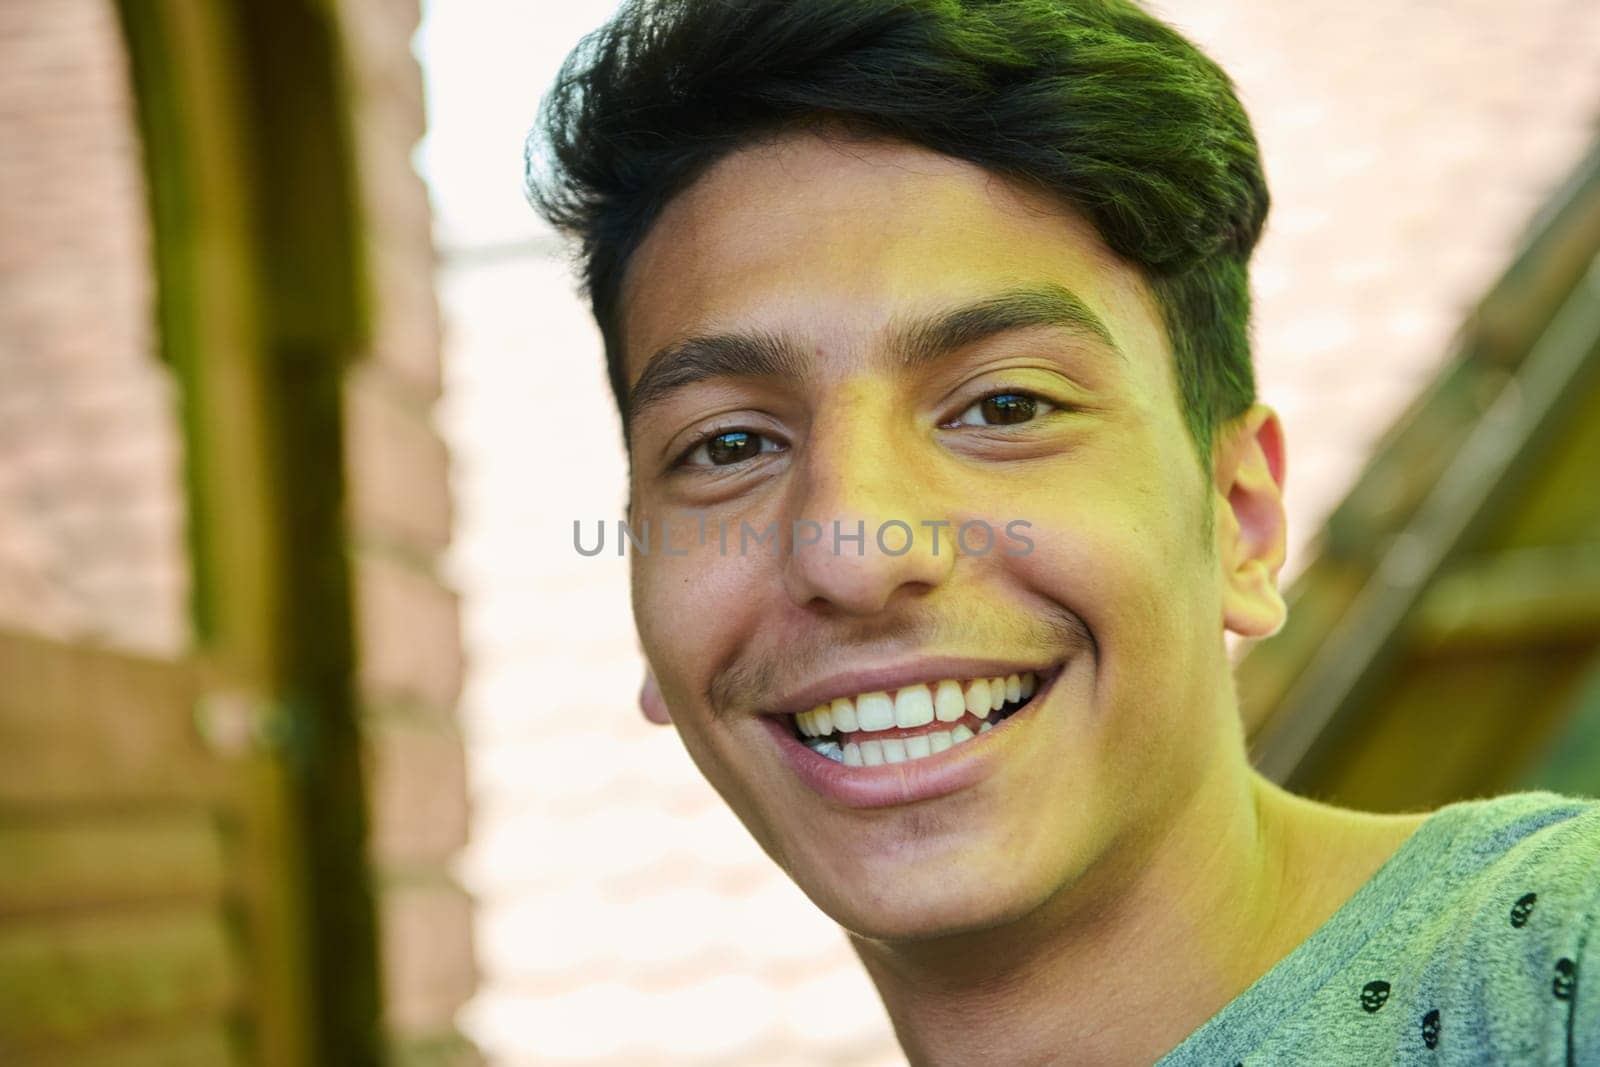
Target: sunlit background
{"points": [[317, 735]]}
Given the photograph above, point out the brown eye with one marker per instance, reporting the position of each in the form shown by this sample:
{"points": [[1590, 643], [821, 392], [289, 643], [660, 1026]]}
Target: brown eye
{"points": [[732, 447], [1003, 409], [1008, 408], [727, 447]]}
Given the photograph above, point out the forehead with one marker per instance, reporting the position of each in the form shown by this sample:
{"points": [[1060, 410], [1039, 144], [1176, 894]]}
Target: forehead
{"points": [[833, 238]]}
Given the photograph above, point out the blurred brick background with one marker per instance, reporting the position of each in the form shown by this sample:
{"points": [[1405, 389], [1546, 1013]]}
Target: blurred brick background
{"points": [[409, 650], [91, 506], [624, 916], [92, 524]]}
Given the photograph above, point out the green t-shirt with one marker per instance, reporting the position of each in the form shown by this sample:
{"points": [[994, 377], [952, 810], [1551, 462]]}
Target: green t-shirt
{"points": [[1477, 942]]}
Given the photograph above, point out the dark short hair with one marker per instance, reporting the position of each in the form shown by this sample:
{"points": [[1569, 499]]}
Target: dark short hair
{"points": [[1094, 101]]}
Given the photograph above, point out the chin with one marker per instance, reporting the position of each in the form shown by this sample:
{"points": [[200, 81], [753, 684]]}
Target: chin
{"points": [[943, 899], [944, 929]]}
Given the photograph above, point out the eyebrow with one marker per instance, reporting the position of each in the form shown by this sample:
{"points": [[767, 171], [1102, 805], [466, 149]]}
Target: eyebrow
{"points": [[918, 343]]}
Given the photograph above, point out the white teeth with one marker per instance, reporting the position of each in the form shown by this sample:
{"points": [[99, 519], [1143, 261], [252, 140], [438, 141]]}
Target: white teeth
{"points": [[986, 727], [891, 750], [822, 721], [913, 706], [874, 711], [824, 726], [844, 716], [948, 703]]}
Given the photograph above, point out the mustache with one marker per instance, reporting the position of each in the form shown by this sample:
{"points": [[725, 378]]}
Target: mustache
{"points": [[761, 681]]}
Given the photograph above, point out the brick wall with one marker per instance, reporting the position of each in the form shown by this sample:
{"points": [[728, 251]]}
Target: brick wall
{"points": [[91, 508], [91, 486], [407, 619]]}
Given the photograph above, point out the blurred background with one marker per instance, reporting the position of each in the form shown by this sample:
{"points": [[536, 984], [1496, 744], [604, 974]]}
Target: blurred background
{"points": [[317, 739]]}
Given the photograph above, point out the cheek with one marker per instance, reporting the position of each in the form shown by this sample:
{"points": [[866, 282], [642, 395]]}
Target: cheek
{"points": [[693, 612], [1104, 565], [695, 616], [1126, 555]]}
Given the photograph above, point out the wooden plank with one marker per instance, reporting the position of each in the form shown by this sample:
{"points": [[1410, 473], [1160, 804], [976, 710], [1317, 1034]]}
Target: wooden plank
{"points": [[1497, 336], [261, 299], [1411, 512], [1449, 727], [1542, 595], [83, 724], [1559, 505], [1570, 760], [1270, 667], [107, 861], [1513, 435], [194, 1043], [69, 979]]}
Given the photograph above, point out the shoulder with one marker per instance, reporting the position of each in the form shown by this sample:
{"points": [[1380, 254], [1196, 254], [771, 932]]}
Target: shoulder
{"points": [[1518, 914], [1551, 838], [1508, 859]]}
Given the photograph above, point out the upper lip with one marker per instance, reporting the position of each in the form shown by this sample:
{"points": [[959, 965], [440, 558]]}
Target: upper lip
{"points": [[886, 679]]}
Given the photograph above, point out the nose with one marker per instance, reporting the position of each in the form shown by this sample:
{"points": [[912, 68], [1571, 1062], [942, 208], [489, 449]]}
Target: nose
{"points": [[861, 519]]}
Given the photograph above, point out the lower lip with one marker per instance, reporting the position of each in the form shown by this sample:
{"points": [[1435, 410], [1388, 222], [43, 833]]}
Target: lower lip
{"points": [[888, 785]]}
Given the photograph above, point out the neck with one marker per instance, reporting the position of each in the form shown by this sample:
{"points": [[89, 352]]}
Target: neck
{"points": [[1122, 965]]}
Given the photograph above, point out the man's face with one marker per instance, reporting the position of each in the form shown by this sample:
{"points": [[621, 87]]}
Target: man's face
{"points": [[831, 270]]}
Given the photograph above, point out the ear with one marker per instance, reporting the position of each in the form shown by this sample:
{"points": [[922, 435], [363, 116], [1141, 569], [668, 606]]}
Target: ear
{"points": [[1248, 471], [651, 701]]}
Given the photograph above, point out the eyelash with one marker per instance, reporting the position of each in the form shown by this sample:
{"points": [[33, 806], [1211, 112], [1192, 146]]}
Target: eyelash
{"points": [[682, 462], [1051, 407]]}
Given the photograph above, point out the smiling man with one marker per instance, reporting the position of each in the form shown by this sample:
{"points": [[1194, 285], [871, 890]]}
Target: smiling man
{"points": [[946, 304]]}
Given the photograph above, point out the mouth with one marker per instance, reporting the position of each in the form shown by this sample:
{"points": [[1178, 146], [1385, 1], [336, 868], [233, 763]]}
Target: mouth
{"points": [[917, 721]]}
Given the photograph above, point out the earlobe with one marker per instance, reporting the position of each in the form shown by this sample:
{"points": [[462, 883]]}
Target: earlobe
{"points": [[1253, 536], [1253, 607], [651, 702]]}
